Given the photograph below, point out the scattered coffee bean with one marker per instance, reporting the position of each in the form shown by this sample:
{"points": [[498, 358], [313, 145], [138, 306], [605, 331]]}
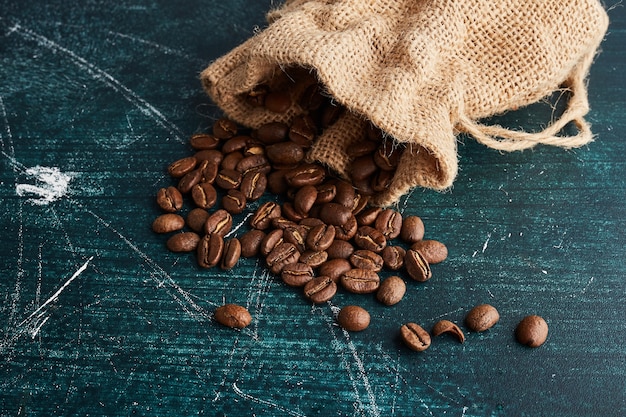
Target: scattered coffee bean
{"points": [[167, 223], [282, 255], [320, 289], [320, 237], [415, 337], [262, 218], [183, 242], [297, 274], [204, 195], [532, 331], [182, 167], [446, 326], [196, 219], [433, 251], [417, 267], [360, 281], [234, 202], [220, 223], [314, 258], [391, 290], [366, 259], [233, 315], [169, 199], [482, 317], [278, 101], [203, 141], [371, 239], [353, 318], [393, 257], [224, 128], [335, 214], [232, 253], [389, 223], [210, 250], [340, 249], [334, 268], [412, 229]]}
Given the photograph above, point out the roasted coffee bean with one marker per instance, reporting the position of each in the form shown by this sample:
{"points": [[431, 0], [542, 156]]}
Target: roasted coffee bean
{"points": [[310, 222], [532, 331], [362, 148], [262, 218], [210, 155], [313, 258], [203, 141], [393, 257], [253, 163], [228, 179], [183, 242], [219, 222], [282, 223], [204, 195], [391, 290], [353, 318], [224, 128], [208, 171], [344, 194], [285, 154], [283, 254], [362, 168], [312, 98], [369, 238], [368, 216], [297, 274], [326, 192], [254, 149], [181, 167], [432, 250], [446, 326], [189, 180], [389, 223], [276, 183], [330, 114], [305, 174], [387, 156], [340, 249], [270, 241], [366, 259], [169, 199], [417, 267], [482, 317], [334, 268], [232, 253], [296, 235], [210, 250], [196, 218], [381, 181], [360, 202], [415, 337], [304, 199], [347, 230], [320, 237], [320, 289], [233, 315], [412, 229], [277, 101], [272, 132], [303, 130], [335, 214], [231, 160], [167, 223], [290, 212], [256, 96], [250, 242], [360, 281], [236, 144], [234, 201], [364, 186], [253, 185]]}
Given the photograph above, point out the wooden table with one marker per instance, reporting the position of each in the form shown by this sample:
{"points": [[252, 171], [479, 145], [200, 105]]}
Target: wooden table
{"points": [[99, 319]]}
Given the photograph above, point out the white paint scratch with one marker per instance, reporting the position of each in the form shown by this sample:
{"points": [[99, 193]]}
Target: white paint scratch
{"points": [[50, 185], [165, 49], [237, 227], [486, 242], [261, 401]]}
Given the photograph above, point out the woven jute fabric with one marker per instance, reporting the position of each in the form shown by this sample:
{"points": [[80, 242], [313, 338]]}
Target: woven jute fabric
{"points": [[422, 71]]}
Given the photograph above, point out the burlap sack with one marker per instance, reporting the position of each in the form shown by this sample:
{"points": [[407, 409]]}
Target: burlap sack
{"points": [[422, 71]]}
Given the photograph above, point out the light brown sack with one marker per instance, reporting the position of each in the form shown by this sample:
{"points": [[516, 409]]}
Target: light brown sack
{"points": [[422, 71]]}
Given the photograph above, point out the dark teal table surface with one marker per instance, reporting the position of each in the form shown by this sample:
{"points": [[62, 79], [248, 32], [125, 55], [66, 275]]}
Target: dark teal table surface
{"points": [[99, 319]]}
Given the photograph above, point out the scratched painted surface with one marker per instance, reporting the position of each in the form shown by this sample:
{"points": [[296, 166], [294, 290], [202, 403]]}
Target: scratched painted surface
{"points": [[99, 319]]}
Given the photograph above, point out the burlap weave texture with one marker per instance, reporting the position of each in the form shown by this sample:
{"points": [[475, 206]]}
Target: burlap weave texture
{"points": [[422, 71]]}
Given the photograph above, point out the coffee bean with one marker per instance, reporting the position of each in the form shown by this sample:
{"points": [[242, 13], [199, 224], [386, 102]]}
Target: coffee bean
{"points": [[362, 148], [369, 238], [446, 326], [297, 274], [305, 174], [167, 223], [366, 259], [234, 201], [262, 218], [330, 114], [220, 222], [320, 237], [296, 235], [203, 141], [196, 218], [334, 268], [276, 183], [303, 130], [353, 318], [347, 230], [224, 128], [253, 185], [256, 96], [344, 194], [290, 212], [368, 216], [313, 258], [381, 181], [387, 156], [213, 156], [304, 199], [364, 186], [233, 315], [250, 242], [393, 257], [270, 241], [412, 229], [360, 202], [360, 281], [310, 222], [391, 290], [231, 160], [362, 168], [320, 289], [415, 337], [169, 199], [532, 331], [326, 192], [417, 267], [433, 251], [389, 223], [204, 195], [335, 214], [272, 132], [283, 254], [228, 179], [253, 163], [232, 253], [208, 171], [340, 249], [183, 242], [285, 154], [236, 144], [189, 180], [283, 223], [278, 101], [181, 167], [312, 98], [482, 317], [210, 250]]}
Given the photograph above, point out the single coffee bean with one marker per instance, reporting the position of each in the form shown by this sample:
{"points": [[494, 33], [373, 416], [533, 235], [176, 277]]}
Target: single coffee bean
{"points": [[326, 192], [360, 202], [210, 250], [353, 318], [253, 163], [253, 185], [389, 223], [381, 181], [270, 241], [220, 222], [204, 195], [310, 222], [283, 254], [304, 199], [417, 267], [366, 259], [228, 179], [335, 214], [276, 182], [360, 281], [296, 235], [364, 186], [286, 154], [231, 160], [183, 242], [415, 337], [368, 216], [432, 250], [213, 156], [387, 156], [297, 274], [224, 128], [167, 223], [263, 216], [196, 218], [393, 257], [412, 229], [169, 199], [182, 167], [250, 242], [232, 253], [344, 194], [278, 101], [283, 223], [320, 289], [236, 144], [340, 249], [313, 258], [362, 168], [233, 315], [532, 331], [272, 132], [347, 230], [482, 317], [290, 212], [189, 180], [446, 326], [320, 237], [203, 141], [369, 238], [334, 268], [362, 148], [305, 174], [391, 290], [208, 171], [234, 201], [256, 97]]}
